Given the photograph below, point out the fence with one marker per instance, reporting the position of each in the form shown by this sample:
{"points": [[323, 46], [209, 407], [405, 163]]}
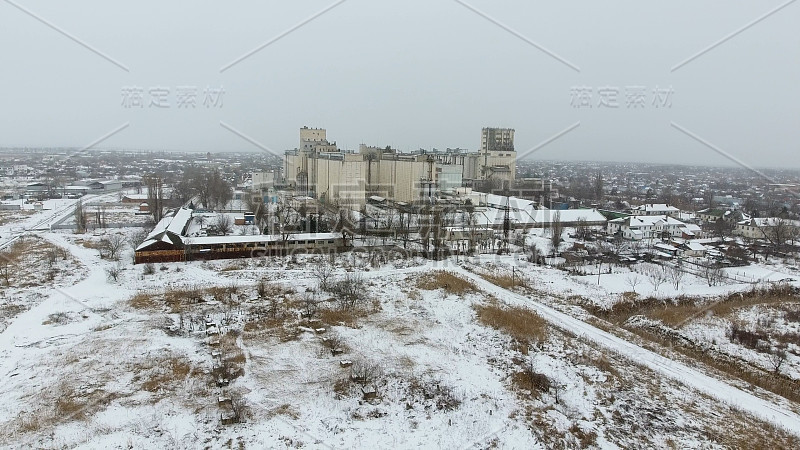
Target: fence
{"points": [[71, 226]]}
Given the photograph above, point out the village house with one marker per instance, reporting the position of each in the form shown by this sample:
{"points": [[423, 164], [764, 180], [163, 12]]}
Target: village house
{"points": [[646, 227], [655, 209], [765, 228]]}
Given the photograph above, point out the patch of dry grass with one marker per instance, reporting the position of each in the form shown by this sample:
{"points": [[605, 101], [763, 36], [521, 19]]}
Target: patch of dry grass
{"points": [[504, 280], [678, 310], [167, 374], [524, 325], [143, 300], [452, 284], [337, 317], [176, 299]]}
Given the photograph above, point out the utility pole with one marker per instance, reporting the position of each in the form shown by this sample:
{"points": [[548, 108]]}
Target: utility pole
{"points": [[599, 270], [506, 223]]}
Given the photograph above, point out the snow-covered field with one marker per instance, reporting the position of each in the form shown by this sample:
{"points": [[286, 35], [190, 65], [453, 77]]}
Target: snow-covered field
{"points": [[83, 365]]}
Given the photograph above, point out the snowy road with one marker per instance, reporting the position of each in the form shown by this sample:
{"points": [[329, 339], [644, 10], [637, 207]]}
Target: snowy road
{"points": [[677, 371], [59, 209]]}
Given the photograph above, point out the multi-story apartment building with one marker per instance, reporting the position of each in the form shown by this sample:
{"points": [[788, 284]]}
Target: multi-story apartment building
{"points": [[318, 168]]}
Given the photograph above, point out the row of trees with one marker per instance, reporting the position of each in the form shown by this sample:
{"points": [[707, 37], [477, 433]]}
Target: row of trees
{"points": [[209, 186]]}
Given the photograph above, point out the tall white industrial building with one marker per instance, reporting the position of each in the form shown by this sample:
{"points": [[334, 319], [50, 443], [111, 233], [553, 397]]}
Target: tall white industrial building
{"points": [[330, 174]]}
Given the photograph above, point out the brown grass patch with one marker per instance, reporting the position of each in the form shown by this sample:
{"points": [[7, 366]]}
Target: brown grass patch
{"points": [[336, 317], [452, 284], [778, 384], [505, 281], [168, 373], [143, 300], [524, 325], [177, 299], [530, 381], [284, 410], [678, 310]]}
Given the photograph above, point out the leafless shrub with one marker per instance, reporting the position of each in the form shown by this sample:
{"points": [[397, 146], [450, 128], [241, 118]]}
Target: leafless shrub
{"points": [[335, 343], [8, 265], [59, 318], [322, 270], [148, 269], [350, 291], [262, 289], [792, 316], [113, 273], [532, 381], [366, 372], [224, 223], [309, 304], [239, 407], [111, 246], [776, 358], [136, 238], [749, 339], [442, 396], [633, 280]]}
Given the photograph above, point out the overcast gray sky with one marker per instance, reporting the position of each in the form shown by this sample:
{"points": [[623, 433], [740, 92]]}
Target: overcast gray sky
{"points": [[410, 74]]}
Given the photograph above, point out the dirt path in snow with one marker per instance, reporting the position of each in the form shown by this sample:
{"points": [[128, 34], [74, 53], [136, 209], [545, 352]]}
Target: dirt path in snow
{"points": [[741, 400]]}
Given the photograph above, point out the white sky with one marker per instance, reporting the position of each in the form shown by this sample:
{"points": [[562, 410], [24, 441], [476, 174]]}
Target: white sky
{"points": [[409, 74]]}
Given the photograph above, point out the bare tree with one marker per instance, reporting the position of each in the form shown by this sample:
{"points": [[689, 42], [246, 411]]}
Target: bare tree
{"points": [[366, 372], [111, 246], [723, 228], [155, 196], [80, 217], [556, 229], [776, 358], [256, 205], [322, 270], [656, 275], [676, 274], [239, 407], [349, 291], [713, 274], [137, 237], [285, 219], [310, 304], [779, 232], [224, 223], [535, 255], [8, 265], [472, 226], [633, 280], [582, 230], [598, 186]]}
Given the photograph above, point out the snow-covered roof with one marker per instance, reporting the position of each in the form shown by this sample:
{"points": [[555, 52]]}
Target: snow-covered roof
{"points": [[695, 246], [767, 222], [665, 247], [179, 221], [259, 238], [655, 207], [643, 221], [567, 215]]}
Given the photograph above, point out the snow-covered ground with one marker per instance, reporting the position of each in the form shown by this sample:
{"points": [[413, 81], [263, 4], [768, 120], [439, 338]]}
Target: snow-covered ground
{"points": [[83, 366]]}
